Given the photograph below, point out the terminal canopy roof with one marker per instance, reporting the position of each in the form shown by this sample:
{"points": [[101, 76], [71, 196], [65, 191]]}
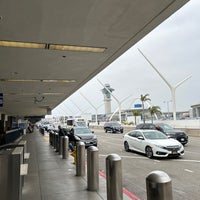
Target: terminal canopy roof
{"points": [[50, 48]]}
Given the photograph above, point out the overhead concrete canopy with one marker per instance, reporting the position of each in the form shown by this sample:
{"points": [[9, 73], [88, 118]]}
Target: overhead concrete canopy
{"points": [[35, 80]]}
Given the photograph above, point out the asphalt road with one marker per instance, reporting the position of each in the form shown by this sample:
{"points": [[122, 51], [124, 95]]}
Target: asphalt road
{"points": [[184, 172]]}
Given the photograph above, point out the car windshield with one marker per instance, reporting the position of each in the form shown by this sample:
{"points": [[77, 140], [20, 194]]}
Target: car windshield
{"points": [[154, 135], [115, 124], [82, 131], [83, 124], [166, 127]]}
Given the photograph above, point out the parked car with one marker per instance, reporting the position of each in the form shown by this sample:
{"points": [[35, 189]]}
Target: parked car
{"points": [[179, 135], [153, 143], [86, 135], [113, 127]]}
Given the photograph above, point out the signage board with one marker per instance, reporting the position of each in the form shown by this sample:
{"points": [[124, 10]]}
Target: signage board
{"points": [[139, 105]]}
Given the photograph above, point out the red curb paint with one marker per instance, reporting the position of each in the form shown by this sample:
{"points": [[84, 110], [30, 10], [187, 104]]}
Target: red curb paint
{"points": [[130, 195], [125, 191]]}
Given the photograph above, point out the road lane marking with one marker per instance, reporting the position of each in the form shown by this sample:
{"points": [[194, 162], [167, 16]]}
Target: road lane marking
{"points": [[192, 152], [187, 170], [194, 161]]}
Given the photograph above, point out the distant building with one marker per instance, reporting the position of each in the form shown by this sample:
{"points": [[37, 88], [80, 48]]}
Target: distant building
{"points": [[195, 110]]}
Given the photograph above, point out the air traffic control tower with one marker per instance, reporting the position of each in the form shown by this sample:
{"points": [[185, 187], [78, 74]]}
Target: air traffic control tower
{"points": [[107, 90]]}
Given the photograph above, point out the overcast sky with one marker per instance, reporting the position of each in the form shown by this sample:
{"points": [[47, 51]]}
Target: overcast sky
{"points": [[173, 48]]}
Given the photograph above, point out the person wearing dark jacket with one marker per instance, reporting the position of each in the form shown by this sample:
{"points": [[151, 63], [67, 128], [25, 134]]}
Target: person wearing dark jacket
{"points": [[72, 140], [60, 131]]}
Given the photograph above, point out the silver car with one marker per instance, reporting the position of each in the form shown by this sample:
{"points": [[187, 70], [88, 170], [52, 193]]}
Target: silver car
{"points": [[86, 135]]}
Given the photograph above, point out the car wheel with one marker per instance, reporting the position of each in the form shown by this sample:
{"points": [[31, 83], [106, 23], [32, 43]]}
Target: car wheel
{"points": [[149, 152], [126, 147], [113, 131], [106, 130], [121, 131]]}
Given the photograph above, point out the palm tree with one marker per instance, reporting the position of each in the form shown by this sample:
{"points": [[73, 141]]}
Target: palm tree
{"points": [[143, 99], [135, 114], [154, 110]]}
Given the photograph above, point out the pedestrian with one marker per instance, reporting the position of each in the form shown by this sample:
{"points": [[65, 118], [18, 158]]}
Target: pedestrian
{"points": [[60, 134], [60, 131], [72, 140]]}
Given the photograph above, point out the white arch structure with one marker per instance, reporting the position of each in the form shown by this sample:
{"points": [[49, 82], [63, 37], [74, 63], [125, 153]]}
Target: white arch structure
{"points": [[172, 88], [96, 108]]}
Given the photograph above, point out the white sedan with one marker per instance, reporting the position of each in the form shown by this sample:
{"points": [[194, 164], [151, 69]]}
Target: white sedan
{"points": [[152, 143]]}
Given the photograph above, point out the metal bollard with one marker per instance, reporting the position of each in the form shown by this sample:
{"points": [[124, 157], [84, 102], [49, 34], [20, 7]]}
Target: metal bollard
{"points": [[65, 144], [80, 159], [93, 168], [60, 145], [54, 140], [57, 142], [114, 177], [51, 138], [158, 185]]}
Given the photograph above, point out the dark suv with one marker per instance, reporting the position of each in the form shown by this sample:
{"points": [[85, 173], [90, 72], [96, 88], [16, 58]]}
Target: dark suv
{"points": [[179, 135], [113, 127]]}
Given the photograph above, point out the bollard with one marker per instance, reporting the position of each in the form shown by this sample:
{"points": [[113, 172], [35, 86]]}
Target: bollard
{"points": [[60, 144], [158, 185], [80, 159], [57, 142], [50, 138], [54, 140], [93, 168], [114, 177], [65, 144]]}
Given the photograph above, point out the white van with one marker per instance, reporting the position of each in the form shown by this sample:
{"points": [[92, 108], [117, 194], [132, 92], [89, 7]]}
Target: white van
{"points": [[76, 122]]}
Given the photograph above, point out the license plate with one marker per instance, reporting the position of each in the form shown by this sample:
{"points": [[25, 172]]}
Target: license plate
{"points": [[174, 152]]}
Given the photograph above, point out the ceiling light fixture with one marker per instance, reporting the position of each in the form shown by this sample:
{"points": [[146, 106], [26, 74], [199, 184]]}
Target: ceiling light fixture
{"points": [[29, 94], [22, 44], [40, 80], [60, 47], [76, 48]]}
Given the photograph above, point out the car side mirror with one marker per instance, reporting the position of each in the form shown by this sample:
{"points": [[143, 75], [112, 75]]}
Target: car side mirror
{"points": [[140, 137]]}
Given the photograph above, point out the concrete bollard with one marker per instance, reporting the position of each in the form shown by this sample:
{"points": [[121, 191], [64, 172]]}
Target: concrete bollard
{"points": [[65, 144], [92, 168], [114, 177], [158, 185], [80, 159]]}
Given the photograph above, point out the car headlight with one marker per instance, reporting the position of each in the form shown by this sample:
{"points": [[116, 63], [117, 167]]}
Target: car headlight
{"points": [[95, 137], [160, 146]]}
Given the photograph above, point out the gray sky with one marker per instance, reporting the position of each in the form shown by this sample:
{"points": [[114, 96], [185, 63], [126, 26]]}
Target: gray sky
{"points": [[173, 48]]}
